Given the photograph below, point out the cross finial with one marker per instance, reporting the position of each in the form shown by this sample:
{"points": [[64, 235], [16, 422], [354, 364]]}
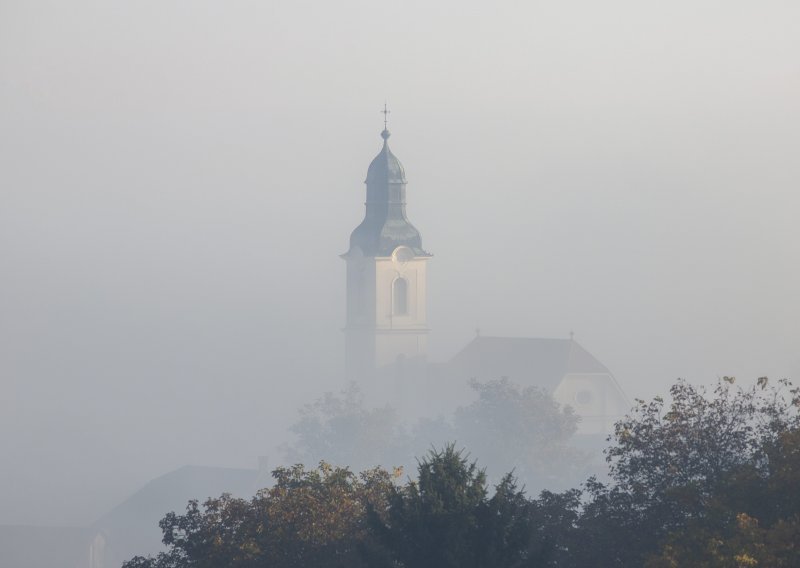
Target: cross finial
{"points": [[385, 113]]}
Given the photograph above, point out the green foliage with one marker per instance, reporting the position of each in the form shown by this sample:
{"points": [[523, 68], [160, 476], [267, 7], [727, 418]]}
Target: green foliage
{"points": [[330, 518], [446, 520], [682, 474], [756, 513], [308, 518]]}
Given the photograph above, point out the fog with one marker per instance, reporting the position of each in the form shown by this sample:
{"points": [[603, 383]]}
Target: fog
{"points": [[177, 180]]}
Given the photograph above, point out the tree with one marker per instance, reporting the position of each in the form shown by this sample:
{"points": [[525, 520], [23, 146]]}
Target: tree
{"points": [[522, 429], [758, 511], [308, 518], [446, 519], [340, 429], [681, 474]]}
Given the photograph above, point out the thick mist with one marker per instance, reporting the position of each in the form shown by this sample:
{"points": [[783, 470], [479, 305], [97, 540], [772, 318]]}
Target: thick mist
{"points": [[177, 180]]}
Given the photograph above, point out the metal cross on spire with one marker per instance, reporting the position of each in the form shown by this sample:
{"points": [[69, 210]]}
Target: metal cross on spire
{"points": [[385, 113]]}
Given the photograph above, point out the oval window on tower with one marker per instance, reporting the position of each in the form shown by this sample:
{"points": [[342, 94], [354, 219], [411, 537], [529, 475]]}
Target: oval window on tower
{"points": [[402, 254], [400, 297]]}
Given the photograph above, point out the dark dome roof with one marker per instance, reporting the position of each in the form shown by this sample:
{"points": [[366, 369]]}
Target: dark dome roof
{"points": [[386, 168]]}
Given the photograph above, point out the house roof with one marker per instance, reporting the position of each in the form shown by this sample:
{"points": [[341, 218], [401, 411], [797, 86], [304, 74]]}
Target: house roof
{"points": [[132, 526], [541, 362]]}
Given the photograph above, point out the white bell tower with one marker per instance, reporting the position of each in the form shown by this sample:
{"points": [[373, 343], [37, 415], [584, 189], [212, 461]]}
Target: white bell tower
{"points": [[386, 281]]}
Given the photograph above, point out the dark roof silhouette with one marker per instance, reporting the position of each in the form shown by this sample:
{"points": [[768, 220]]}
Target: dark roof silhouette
{"points": [[129, 529], [528, 361], [132, 526]]}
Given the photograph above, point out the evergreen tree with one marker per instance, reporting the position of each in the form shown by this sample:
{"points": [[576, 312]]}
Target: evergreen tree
{"points": [[445, 519]]}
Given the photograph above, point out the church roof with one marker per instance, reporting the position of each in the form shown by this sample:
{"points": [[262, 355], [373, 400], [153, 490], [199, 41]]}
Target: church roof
{"points": [[541, 362], [386, 226]]}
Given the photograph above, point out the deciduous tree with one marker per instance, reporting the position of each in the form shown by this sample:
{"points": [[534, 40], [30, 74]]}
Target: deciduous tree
{"points": [[308, 518], [682, 473], [522, 429]]}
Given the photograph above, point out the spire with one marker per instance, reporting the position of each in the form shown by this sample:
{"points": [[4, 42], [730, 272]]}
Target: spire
{"points": [[385, 225], [385, 168]]}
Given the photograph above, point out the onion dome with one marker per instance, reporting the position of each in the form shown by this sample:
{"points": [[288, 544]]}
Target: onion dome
{"points": [[386, 226]]}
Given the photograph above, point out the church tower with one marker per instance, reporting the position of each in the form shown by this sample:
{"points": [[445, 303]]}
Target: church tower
{"points": [[386, 283]]}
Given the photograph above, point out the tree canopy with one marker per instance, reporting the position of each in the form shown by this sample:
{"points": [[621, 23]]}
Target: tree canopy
{"points": [[445, 519], [521, 429], [330, 518], [308, 518], [340, 429], [691, 473]]}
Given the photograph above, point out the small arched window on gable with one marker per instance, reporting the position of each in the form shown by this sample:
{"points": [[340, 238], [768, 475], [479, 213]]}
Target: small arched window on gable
{"points": [[400, 297]]}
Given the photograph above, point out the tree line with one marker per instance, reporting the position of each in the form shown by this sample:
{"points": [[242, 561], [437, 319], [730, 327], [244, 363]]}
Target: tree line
{"points": [[709, 478], [508, 426]]}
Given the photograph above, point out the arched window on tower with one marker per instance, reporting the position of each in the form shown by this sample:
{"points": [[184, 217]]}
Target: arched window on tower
{"points": [[400, 297]]}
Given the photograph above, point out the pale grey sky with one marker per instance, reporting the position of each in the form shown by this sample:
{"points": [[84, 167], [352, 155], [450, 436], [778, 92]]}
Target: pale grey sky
{"points": [[177, 179]]}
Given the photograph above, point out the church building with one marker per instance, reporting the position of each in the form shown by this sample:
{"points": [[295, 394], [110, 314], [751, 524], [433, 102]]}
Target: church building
{"points": [[386, 334]]}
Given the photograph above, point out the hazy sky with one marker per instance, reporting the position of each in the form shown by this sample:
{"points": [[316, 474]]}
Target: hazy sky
{"points": [[178, 178]]}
